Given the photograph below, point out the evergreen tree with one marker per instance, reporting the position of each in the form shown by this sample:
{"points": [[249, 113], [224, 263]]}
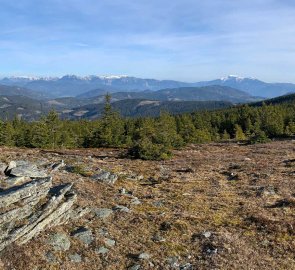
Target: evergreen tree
{"points": [[111, 128], [7, 134], [40, 135], [239, 134], [186, 128], [53, 125]]}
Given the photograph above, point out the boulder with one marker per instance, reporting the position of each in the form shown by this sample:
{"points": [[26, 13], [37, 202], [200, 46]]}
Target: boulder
{"points": [[105, 177], [109, 242], [76, 258], [50, 258], [102, 250], [103, 212], [84, 235], [144, 256], [59, 242]]}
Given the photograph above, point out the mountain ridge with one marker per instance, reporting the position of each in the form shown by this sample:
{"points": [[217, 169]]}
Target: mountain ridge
{"points": [[73, 85]]}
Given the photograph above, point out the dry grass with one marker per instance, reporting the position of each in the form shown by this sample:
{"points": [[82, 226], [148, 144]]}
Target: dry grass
{"points": [[243, 195]]}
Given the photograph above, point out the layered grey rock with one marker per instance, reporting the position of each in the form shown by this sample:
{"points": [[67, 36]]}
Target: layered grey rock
{"points": [[14, 180], [35, 205], [34, 188], [27, 170]]}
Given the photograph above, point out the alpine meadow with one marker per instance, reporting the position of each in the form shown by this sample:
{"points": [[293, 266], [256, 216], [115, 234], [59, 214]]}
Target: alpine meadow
{"points": [[125, 144]]}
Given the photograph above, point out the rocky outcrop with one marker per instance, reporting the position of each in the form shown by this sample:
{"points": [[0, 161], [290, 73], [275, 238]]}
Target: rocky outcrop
{"points": [[29, 208]]}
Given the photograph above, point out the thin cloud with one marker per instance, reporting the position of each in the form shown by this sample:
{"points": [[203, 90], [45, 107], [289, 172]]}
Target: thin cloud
{"points": [[187, 40]]}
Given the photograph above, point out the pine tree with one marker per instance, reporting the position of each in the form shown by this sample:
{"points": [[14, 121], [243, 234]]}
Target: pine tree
{"points": [[52, 123], [186, 128], [166, 132], [111, 128], [7, 134], [40, 137]]}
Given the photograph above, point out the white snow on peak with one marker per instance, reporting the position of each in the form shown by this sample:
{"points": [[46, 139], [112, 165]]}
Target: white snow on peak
{"points": [[32, 78], [236, 78], [112, 77], [68, 76], [102, 77]]}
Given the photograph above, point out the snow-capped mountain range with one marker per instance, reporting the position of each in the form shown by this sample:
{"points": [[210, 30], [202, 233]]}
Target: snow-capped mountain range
{"points": [[72, 85]]}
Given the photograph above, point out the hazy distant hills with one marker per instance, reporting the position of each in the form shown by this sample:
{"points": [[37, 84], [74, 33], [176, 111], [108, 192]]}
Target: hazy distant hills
{"points": [[21, 91], [216, 93], [82, 97], [71, 85]]}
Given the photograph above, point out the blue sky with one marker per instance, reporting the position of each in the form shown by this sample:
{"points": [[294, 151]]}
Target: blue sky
{"points": [[188, 40]]}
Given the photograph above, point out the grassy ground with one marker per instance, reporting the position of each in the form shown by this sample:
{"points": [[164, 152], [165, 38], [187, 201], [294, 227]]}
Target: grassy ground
{"points": [[215, 206]]}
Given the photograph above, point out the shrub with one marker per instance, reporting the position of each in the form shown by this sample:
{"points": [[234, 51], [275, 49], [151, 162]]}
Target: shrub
{"points": [[147, 150], [259, 137]]}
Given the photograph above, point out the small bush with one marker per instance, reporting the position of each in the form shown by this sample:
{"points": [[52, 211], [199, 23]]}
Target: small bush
{"points": [[147, 150], [259, 137]]}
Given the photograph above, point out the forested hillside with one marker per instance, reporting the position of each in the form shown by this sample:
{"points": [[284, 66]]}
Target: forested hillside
{"points": [[144, 108], [153, 138], [206, 93]]}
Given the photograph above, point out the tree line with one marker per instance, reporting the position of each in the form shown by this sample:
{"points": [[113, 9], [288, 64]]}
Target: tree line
{"points": [[152, 137]]}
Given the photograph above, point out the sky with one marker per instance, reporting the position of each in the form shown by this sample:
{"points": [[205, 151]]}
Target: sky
{"points": [[187, 40]]}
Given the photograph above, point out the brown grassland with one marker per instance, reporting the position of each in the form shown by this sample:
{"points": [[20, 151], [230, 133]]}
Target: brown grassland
{"points": [[243, 196]]}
